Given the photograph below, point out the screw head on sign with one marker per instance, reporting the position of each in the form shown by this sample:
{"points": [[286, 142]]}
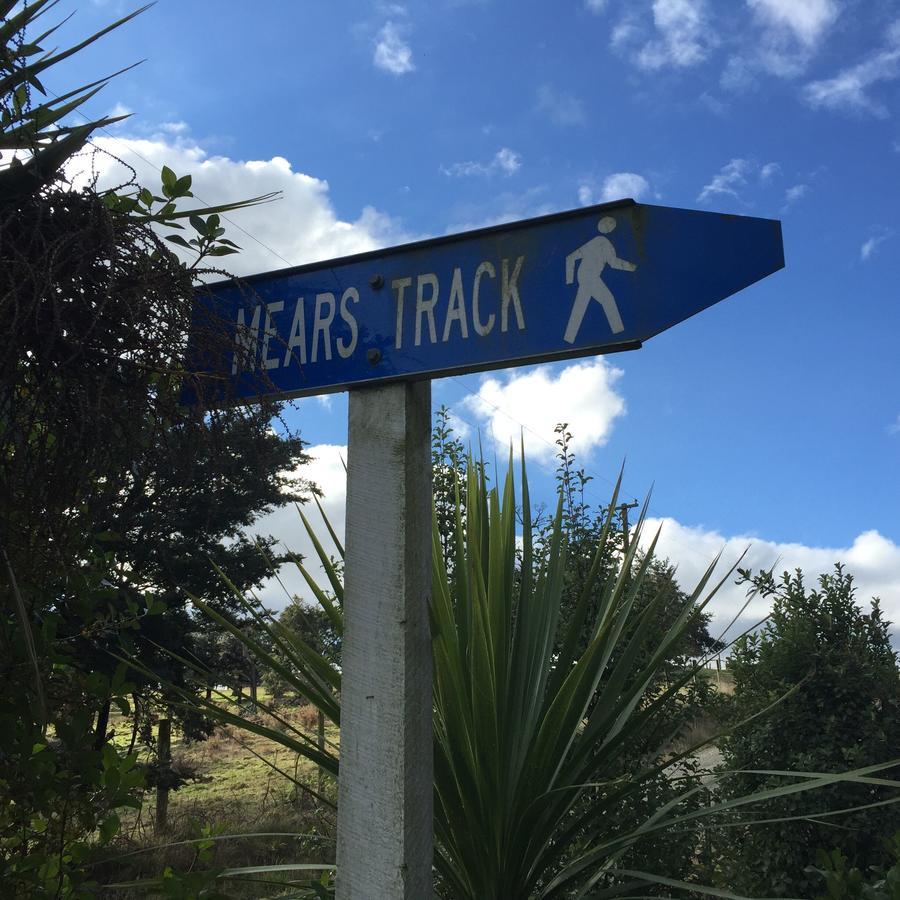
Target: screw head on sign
{"points": [[373, 356], [376, 281]]}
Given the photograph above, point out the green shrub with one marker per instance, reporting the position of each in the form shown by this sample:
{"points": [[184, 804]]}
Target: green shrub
{"points": [[842, 711], [846, 882]]}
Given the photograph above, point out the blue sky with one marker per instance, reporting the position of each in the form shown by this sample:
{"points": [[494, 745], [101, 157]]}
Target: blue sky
{"points": [[772, 418]]}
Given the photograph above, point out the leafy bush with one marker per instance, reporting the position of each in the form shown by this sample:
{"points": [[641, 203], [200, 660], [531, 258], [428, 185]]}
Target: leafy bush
{"points": [[834, 666], [845, 882]]}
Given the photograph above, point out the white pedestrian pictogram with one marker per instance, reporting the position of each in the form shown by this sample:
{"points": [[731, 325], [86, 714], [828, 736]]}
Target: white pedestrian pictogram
{"points": [[595, 255]]}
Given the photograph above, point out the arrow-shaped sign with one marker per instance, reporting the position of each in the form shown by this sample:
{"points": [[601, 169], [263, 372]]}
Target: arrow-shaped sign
{"points": [[593, 280]]}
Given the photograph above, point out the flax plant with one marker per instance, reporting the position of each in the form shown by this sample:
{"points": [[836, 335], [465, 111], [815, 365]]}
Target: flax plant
{"points": [[533, 798], [525, 725]]}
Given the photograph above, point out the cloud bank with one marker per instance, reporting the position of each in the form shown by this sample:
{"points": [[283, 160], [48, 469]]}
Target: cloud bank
{"points": [[584, 393], [871, 558], [301, 227], [326, 470]]}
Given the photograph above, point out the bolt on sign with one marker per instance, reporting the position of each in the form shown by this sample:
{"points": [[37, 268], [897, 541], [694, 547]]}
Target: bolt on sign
{"points": [[589, 281]]}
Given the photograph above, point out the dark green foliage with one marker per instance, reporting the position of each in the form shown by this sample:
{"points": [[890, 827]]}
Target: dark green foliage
{"points": [[39, 128], [670, 853], [113, 499], [846, 882], [583, 524], [834, 666], [448, 479], [311, 625], [60, 786]]}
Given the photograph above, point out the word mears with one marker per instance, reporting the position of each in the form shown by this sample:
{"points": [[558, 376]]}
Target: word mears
{"points": [[261, 342], [424, 308]]}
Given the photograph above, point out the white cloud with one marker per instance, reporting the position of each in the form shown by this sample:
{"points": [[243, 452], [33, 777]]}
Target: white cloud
{"points": [[326, 469], [685, 35], [774, 37], [795, 193], [713, 104], [895, 428], [583, 394], [392, 53], [174, 127], [624, 34], [740, 74], [301, 227], [498, 209], [624, 184], [848, 90], [872, 559], [729, 180], [871, 245], [504, 161], [561, 108], [617, 186], [120, 109], [769, 171], [790, 32], [595, 6], [392, 10], [507, 160], [806, 20]]}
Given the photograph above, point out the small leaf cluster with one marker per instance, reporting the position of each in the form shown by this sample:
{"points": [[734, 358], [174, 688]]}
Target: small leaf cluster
{"points": [[448, 478], [163, 210], [844, 881]]}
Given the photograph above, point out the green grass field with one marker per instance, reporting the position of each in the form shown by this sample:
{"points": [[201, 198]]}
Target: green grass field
{"points": [[237, 791]]}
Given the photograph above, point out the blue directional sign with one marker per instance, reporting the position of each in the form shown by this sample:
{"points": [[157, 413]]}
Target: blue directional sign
{"points": [[589, 281]]}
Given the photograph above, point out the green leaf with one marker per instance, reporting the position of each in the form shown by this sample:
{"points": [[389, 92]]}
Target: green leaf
{"points": [[109, 828], [182, 187], [169, 181]]}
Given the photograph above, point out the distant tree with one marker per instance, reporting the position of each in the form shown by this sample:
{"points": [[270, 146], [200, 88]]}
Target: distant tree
{"points": [[584, 523], [311, 625], [449, 463], [833, 665]]}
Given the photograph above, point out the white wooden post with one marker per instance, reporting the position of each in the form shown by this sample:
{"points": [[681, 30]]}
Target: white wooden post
{"points": [[384, 841]]}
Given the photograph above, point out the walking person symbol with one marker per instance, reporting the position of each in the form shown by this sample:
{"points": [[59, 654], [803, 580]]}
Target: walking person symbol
{"points": [[595, 255]]}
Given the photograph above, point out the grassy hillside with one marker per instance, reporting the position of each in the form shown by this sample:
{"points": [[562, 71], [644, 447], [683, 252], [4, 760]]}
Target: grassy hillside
{"points": [[237, 791]]}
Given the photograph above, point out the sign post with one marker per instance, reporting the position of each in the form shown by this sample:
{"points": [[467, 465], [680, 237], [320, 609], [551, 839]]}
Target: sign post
{"points": [[384, 842], [381, 324]]}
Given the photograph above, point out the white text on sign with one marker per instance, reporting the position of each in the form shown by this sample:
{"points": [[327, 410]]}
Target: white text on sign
{"points": [[425, 312]]}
